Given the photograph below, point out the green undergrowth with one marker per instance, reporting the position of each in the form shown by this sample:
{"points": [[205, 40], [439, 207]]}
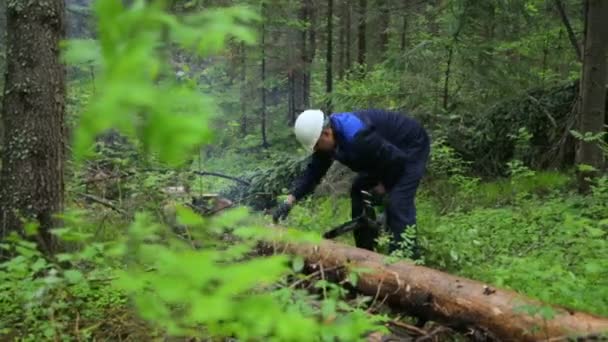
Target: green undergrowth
{"points": [[533, 234]]}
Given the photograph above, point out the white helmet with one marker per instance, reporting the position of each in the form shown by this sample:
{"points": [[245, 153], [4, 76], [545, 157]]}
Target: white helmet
{"points": [[308, 127]]}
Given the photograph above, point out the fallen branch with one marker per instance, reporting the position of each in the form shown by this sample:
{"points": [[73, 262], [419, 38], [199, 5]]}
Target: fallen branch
{"points": [[221, 175], [103, 202], [431, 294]]}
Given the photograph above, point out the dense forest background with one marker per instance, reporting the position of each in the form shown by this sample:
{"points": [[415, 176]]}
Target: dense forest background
{"points": [[158, 100]]}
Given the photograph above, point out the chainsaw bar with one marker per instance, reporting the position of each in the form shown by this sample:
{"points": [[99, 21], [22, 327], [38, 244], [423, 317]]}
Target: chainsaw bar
{"points": [[357, 223]]}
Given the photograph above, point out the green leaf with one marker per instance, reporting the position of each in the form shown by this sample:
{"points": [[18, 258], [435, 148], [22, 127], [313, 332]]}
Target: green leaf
{"points": [[596, 232], [31, 228], [73, 276], [188, 217], [297, 264], [81, 51]]}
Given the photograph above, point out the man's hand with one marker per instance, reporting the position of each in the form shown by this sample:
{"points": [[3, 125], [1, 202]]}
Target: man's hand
{"points": [[283, 209], [379, 189]]}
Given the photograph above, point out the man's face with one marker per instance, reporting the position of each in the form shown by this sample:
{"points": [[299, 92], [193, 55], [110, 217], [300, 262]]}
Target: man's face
{"points": [[326, 142]]}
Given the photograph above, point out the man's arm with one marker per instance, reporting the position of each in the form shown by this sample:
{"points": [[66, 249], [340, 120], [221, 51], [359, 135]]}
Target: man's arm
{"points": [[315, 170]]}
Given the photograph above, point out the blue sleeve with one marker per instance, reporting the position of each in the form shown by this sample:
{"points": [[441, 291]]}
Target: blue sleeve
{"points": [[315, 170]]}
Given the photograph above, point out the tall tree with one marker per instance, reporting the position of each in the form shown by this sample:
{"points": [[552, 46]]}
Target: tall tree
{"points": [[450, 57], [362, 31], [571, 36], [403, 33], [243, 50], [329, 56], [385, 19], [593, 86], [341, 37], [2, 58], [347, 26], [309, 52], [263, 74], [34, 103]]}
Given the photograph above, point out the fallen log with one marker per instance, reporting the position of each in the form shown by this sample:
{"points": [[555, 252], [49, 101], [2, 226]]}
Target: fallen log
{"points": [[431, 294]]}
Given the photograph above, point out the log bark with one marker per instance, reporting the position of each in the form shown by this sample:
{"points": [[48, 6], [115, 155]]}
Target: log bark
{"points": [[431, 294]]}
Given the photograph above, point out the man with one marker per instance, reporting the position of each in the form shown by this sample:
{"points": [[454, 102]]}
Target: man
{"points": [[389, 151]]}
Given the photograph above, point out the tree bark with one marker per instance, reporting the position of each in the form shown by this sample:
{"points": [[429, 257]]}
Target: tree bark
{"points": [[362, 31], [263, 74], [329, 56], [341, 36], [431, 294], [2, 61], [348, 24], [243, 89], [34, 105], [562, 13], [446, 84], [310, 51], [385, 18], [593, 88], [403, 34]]}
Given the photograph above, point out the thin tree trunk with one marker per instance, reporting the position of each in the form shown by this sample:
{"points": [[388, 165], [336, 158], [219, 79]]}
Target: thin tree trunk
{"points": [[341, 34], [348, 47], [2, 59], [446, 84], [562, 13], [403, 34], [385, 19], [291, 98], [243, 89], [310, 53], [329, 56], [299, 70], [34, 105], [362, 30], [594, 75], [263, 72]]}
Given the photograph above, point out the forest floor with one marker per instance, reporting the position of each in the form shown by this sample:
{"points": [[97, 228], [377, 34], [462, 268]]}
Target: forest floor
{"points": [[531, 233]]}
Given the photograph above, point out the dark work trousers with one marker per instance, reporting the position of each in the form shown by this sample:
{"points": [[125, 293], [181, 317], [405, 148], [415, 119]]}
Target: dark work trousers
{"points": [[400, 210]]}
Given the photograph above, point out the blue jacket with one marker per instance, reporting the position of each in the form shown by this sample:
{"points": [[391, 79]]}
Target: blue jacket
{"points": [[382, 144]]}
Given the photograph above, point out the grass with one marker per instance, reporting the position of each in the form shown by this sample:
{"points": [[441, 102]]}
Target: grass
{"points": [[533, 235]]}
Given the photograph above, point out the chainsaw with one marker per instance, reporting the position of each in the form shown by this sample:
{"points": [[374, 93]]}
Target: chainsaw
{"points": [[367, 220]]}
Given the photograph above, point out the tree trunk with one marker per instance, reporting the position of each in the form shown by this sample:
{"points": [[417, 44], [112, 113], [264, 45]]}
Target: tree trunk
{"points": [[291, 97], [263, 74], [450, 59], [329, 59], [593, 88], [299, 66], [362, 31], [431, 294], [34, 106], [341, 34], [385, 19], [564, 17], [310, 51], [403, 34], [243, 89], [2, 61], [348, 24], [446, 84]]}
